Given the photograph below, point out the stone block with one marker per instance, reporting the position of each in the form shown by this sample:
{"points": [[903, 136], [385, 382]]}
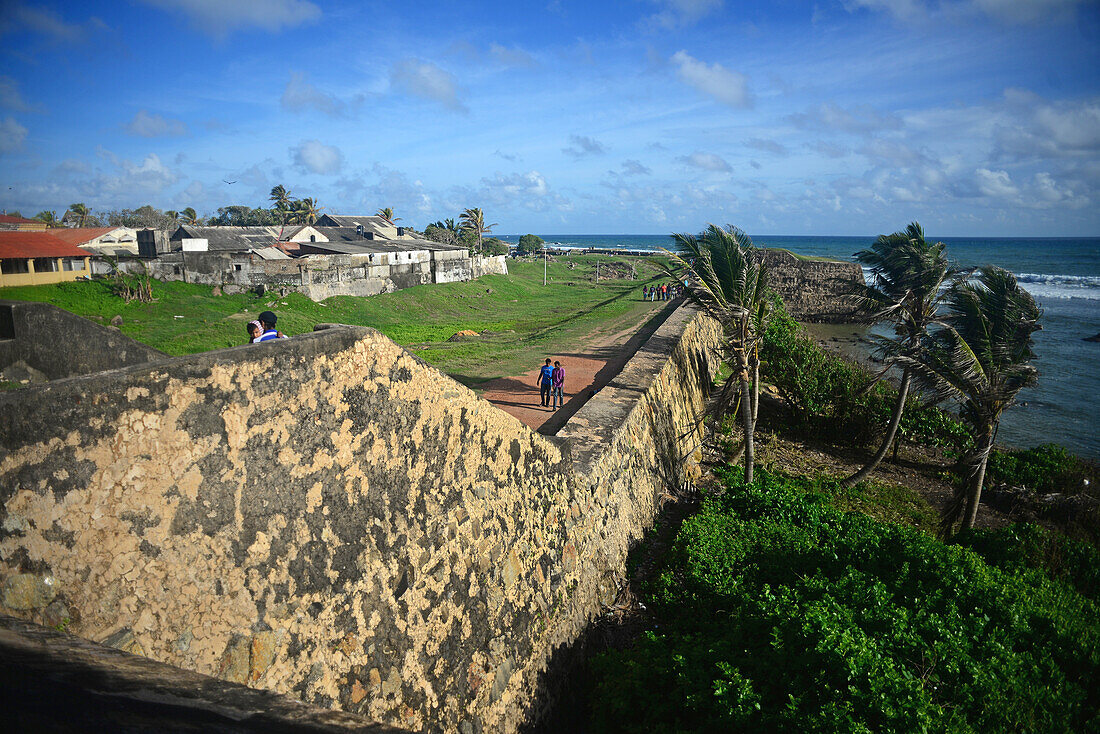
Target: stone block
{"points": [[27, 591]]}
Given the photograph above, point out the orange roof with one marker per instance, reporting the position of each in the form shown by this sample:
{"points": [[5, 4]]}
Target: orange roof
{"points": [[24, 245], [80, 235], [9, 219]]}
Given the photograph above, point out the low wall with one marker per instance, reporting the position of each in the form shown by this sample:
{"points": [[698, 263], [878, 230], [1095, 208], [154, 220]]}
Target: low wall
{"points": [[328, 516], [60, 344], [813, 290]]}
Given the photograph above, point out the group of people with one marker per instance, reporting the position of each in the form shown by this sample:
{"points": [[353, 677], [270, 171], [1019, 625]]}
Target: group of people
{"points": [[551, 383], [263, 328], [663, 292]]}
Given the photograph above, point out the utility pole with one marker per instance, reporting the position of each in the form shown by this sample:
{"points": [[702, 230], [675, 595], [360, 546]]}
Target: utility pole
{"points": [[597, 272], [544, 264]]}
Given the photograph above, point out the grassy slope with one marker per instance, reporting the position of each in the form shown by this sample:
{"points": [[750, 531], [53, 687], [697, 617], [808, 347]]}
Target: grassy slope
{"points": [[525, 318]]}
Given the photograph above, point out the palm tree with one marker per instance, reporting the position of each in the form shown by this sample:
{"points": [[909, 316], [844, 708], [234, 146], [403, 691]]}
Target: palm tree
{"points": [[80, 212], [473, 221], [387, 214], [306, 211], [281, 197], [981, 357], [907, 276], [189, 215], [49, 217], [728, 281], [172, 216]]}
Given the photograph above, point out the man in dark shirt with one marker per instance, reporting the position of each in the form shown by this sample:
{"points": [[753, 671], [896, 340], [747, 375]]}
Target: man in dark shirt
{"points": [[545, 381]]}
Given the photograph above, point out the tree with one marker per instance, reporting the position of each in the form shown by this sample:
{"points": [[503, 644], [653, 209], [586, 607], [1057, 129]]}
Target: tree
{"points": [[493, 246], [528, 244], [306, 211], [49, 217], [981, 357], [281, 197], [473, 221], [173, 216], [907, 276], [189, 216], [387, 214], [728, 281], [79, 213]]}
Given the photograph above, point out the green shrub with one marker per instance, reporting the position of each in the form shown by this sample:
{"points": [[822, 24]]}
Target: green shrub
{"points": [[1046, 468], [775, 612]]}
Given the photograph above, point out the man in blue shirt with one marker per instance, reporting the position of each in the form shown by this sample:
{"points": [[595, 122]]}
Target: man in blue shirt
{"points": [[545, 381], [267, 320]]}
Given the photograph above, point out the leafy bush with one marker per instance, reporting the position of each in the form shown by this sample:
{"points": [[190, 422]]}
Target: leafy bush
{"points": [[1046, 468], [775, 612]]}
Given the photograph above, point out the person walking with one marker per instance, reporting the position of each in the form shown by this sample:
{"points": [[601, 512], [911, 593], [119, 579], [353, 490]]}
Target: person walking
{"points": [[545, 382], [557, 379]]}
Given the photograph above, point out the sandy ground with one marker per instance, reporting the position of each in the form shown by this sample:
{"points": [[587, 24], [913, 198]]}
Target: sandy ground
{"points": [[585, 373]]}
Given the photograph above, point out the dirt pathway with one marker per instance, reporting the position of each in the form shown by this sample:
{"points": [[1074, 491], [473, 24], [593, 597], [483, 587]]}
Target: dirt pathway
{"points": [[586, 371]]}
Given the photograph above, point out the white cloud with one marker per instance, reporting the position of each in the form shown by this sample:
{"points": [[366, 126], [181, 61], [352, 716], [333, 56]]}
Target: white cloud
{"points": [[21, 18], [995, 183], [635, 168], [12, 135], [768, 146], [146, 125], [426, 80], [314, 156], [904, 10], [584, 146], [725, 85], [706, 161], [1006, 11], [511, 56], [300, 94], [10, 98], [682, 13], [1036, 127], [219, 18], [860, 120]]}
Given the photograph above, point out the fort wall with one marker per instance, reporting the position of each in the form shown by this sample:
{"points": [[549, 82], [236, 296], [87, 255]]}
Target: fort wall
{"points": [[329, 517]]}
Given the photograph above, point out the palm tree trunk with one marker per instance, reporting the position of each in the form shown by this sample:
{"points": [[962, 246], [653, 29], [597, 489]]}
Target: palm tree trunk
{"points": [[975, 495], [895, 421], [747, 424], [755, 389]]}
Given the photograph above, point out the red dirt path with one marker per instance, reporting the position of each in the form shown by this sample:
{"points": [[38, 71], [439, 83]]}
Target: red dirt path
{"points": [[585, 373]]}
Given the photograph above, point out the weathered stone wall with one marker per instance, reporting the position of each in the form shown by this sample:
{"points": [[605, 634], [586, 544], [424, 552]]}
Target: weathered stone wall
{"points": [[329, 517], [60, 344], [812, 290]]}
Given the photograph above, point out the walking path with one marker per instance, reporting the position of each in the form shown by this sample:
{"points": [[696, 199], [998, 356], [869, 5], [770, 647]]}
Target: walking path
{"points": [[586, 372]]}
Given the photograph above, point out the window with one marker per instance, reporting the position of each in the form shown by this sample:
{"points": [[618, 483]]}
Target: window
{"points": [[237, 267], [175, 269]]}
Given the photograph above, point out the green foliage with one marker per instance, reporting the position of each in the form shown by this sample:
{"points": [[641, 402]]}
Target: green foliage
{"points": [[776, 612], [831, 397], [1045, 468], [529, 243], [493, 246]]}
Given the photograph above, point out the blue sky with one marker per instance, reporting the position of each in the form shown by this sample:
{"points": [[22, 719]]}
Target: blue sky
{"points": [[974, 117]]}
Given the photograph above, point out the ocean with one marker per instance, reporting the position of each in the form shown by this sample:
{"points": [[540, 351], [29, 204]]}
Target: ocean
{"points": [[1063, 274]]}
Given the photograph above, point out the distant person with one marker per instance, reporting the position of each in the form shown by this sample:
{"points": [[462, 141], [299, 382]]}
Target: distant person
{"points": [[254, 329], [545, 382], [557, 379], [267, 320], [645, 292]]}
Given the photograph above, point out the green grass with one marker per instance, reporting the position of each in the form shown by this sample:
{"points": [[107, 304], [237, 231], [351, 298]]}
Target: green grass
{"points": [[525, 319]]}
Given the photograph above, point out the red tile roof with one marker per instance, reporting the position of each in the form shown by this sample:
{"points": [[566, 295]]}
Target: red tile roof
{"points": [[9, 219], [80, 235], [23, 245]]}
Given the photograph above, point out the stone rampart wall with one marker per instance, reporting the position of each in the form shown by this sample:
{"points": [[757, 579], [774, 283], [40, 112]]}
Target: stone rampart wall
{"points": [[329, 517], [60, 344], [812, 290]]}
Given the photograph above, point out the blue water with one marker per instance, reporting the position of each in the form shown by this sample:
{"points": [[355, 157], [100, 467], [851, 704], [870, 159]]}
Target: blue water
{"points": [[1063, 274]]}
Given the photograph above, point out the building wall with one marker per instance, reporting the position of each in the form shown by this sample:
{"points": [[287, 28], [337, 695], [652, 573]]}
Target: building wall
{"points": [[37, 276], [327, 516], [812, 290]]}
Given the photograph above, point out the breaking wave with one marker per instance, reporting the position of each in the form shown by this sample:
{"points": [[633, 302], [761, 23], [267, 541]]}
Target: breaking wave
{"points": [[1043, 285]]}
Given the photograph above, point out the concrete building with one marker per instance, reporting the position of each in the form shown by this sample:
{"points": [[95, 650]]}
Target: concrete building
{"points": [[104, 241], [21, 224], [38, 258]]}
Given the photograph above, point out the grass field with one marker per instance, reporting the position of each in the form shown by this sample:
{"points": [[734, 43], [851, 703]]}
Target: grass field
{"points": [[520, 319]]}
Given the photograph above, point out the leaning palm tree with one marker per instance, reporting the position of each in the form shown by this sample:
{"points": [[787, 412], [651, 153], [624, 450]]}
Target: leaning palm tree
{"points": [[907, 278], [280, 197], [189, 216], [728, 281], [981, 357], [80, 212], [387, 214], [473, 221]]}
